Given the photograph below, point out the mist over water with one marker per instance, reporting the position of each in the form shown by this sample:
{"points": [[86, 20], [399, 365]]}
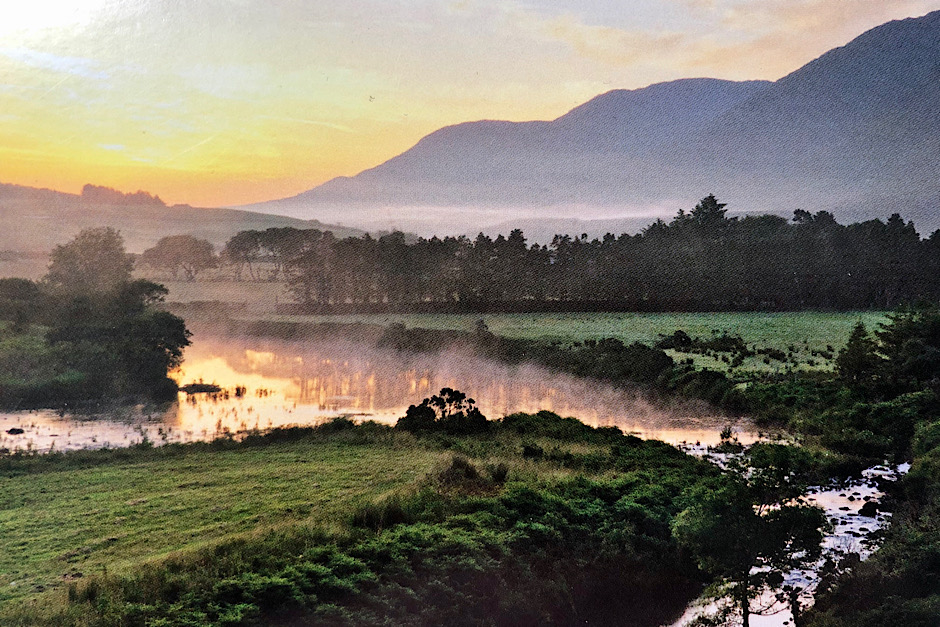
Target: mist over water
{"points": [[269, 383]]}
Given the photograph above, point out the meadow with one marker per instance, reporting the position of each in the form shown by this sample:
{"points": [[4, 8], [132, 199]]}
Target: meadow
{"points": [[807, 337], [350, 525], [70, 516]]}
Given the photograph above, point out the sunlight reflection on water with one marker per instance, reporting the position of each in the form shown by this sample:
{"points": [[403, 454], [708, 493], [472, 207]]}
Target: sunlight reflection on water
{"points": [[297, 383]]}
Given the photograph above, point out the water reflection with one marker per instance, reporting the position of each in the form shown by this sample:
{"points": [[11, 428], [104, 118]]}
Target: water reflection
{"points": [[284, 383]]}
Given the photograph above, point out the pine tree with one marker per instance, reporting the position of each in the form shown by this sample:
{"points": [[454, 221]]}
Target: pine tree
{"points": [[858, 362]]}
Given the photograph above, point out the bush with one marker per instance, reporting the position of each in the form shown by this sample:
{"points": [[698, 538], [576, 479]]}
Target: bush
{"points": [[449, 412]]}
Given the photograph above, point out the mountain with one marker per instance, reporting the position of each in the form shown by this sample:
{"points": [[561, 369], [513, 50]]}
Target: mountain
{"points": [[499, 169], [36, 220], [854, 132], [858, 129]]}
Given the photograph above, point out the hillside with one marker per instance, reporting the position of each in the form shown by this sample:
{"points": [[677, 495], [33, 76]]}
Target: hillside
{"points": [[854, 132], [35, 220]]}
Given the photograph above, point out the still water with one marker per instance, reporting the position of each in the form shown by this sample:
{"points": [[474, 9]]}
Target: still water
{"points": [[271, 384]]}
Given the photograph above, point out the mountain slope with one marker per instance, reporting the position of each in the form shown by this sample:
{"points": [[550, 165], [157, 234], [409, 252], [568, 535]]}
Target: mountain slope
{"points": [[855, 131], [494, 162], [856, 110]]}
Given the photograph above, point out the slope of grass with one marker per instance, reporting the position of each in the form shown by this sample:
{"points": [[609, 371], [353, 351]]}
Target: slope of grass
{"points": [[539, 520], [63, 519]]}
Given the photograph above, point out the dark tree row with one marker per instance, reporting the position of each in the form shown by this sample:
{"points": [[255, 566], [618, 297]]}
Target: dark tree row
{"points": [[701, 260]]}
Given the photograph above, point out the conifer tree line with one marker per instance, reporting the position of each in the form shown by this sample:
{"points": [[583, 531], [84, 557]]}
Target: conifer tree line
{"points": [[701, 260]]}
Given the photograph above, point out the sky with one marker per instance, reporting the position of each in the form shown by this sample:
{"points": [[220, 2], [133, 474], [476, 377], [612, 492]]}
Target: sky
{"points": [[228, 102]]}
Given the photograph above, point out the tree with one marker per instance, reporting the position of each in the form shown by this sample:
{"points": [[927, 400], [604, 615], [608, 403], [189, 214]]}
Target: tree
{"points": [[278, 246], [752, 526], [94, 261], [910, 343], [21, 301], [450, 411], [181, 252], [858, 362], [243, 249], [709, 214], [118, 342]]}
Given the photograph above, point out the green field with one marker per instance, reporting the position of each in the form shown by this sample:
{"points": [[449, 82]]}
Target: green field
{"points": [[59, 522], [373, 518], [805, 332], [69, 516], [258, 297]]}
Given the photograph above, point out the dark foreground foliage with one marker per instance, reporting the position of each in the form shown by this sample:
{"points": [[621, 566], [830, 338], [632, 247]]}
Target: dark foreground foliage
{"points": [[881, 404], [889, 385]]}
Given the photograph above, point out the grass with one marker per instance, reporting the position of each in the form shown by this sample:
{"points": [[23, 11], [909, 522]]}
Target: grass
{"points": [[59, 522], [771, 329], [88, 516], [765, 329], [351, 525], [72, 515], [806, 332]]}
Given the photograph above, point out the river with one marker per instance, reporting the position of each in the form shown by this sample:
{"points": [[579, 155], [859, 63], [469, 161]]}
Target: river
{"points": [[273, 383]]}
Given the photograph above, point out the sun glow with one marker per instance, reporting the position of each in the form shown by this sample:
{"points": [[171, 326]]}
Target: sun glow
{"points": [[226, 102], [36, 15]]}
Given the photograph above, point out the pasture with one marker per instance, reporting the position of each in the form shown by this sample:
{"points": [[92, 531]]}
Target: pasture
{"points": [[70, 516], [88, 532], [805, 337], [808, 339]]}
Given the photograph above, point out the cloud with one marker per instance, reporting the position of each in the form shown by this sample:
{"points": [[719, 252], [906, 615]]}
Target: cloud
{"points": [[607, 44], [280, 118], [774, 37], [190, 149], [74, 66], [818, 17], [228, 82], [735, 39]]}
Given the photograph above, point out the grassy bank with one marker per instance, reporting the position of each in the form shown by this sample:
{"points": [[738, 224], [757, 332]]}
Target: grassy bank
{"points": [[90, 511], [541, 520]]}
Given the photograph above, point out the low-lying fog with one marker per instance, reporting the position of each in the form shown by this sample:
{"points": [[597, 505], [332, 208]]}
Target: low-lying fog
{"points": [[285, 383]]}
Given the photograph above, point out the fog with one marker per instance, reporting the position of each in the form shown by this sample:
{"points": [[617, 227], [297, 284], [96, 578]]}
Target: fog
{"points": [[288, 383]]}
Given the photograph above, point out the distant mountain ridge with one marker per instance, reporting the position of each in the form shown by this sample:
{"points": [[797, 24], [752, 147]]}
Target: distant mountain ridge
{"points": [[470, 162], [856, 132], [36, 220]]}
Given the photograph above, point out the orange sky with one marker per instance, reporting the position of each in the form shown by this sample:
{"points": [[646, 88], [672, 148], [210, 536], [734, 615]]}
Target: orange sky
{"points": [[226, 102]]}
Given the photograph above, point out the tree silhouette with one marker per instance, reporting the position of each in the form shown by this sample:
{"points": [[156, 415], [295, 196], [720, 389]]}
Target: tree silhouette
{"points": [[181, 252], [702, 260], [450, 411], [94, 261], [858, 361]]}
